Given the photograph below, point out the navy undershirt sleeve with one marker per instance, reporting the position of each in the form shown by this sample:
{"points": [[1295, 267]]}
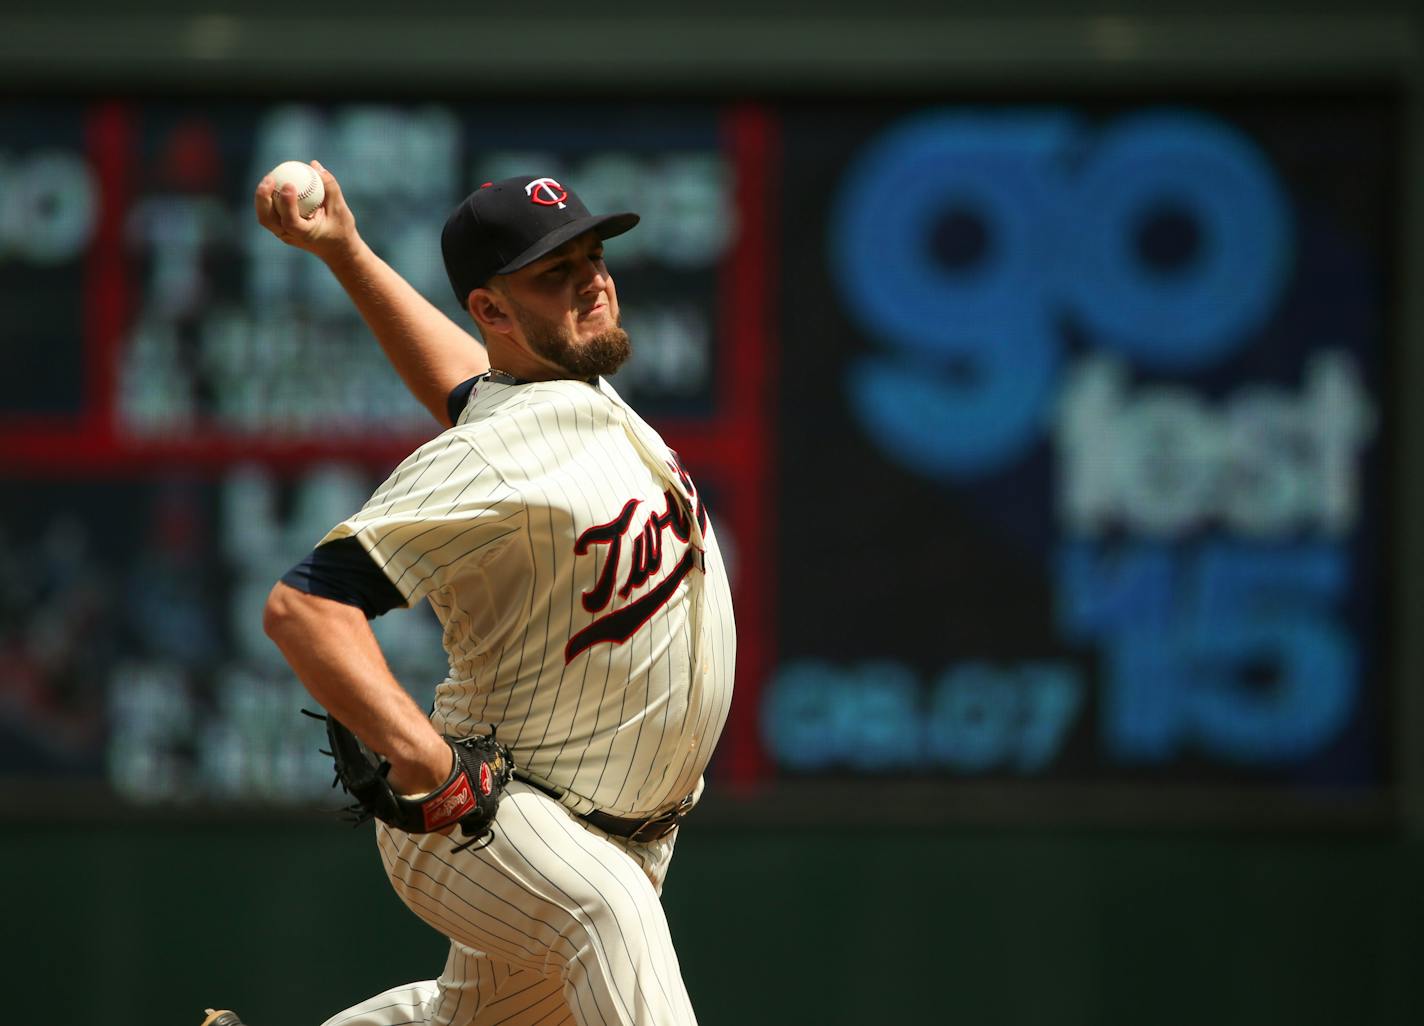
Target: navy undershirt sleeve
{"points": [[460, 396], [344, 572]]}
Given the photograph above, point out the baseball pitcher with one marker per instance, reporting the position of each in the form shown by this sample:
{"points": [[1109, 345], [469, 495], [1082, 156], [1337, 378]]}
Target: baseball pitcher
{"points": [[530, 817]]}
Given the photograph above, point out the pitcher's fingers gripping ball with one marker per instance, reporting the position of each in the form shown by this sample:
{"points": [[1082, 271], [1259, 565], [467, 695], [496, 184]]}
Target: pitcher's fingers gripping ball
{"points": [[302, 205], [305, 182]]}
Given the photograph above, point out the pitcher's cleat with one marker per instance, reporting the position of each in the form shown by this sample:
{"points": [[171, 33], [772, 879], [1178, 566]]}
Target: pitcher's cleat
{"points": [[221, 1017]]}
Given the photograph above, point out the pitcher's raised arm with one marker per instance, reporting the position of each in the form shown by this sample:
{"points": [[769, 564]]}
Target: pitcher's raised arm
{"points": [[431, 353]]}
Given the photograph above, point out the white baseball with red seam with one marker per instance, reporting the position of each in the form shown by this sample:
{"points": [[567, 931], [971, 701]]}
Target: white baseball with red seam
{"points": [[310, 191]]}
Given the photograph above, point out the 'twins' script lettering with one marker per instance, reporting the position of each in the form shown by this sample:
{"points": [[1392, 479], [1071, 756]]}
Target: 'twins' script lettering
{"points": [[644, 553]]}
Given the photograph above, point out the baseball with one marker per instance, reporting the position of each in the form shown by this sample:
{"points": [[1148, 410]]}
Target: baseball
{"points": [[310, 191]]}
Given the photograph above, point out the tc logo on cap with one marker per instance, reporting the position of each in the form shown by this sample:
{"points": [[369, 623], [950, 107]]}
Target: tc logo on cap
{"points": [[546, 192]]}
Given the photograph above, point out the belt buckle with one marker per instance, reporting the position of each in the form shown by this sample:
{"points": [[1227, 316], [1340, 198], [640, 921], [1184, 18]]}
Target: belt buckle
{"points": [[663, 823]]}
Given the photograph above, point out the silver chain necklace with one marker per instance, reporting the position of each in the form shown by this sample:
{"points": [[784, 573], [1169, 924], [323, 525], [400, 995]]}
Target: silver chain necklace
{"points": [[500, 377]]}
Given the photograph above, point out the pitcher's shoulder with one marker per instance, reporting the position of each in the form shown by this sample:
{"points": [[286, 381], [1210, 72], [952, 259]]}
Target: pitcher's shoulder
{"points": [[527, 432]]}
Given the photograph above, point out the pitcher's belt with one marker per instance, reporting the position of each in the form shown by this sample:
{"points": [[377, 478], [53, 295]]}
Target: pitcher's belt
{"points": [[644, 829]]}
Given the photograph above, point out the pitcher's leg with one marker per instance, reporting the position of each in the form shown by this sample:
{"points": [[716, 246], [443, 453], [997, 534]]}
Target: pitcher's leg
{"points": [[527, 999], [472, 991], [553, 896], [478, 991], [399, 1006]]}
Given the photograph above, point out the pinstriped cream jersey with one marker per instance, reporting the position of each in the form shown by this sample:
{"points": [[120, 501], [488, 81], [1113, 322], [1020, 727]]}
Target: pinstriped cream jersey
{"points": [[585, 604]]}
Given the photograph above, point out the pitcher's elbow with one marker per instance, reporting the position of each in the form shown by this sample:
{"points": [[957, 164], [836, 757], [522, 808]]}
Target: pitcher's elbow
{"points": [[277, 614]]}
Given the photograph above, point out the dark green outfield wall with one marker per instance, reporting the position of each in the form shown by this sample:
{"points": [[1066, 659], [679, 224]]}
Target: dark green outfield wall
{"points": [[293, 923]]}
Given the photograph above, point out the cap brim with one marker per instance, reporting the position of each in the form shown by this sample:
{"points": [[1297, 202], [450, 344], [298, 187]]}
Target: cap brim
{"points": [[606, 225]]}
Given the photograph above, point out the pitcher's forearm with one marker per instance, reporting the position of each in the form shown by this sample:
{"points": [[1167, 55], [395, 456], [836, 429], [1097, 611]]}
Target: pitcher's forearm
{"points": [[331, 649], [431, 353]]}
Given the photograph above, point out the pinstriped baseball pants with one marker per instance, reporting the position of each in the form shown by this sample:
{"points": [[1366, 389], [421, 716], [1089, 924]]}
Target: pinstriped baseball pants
{"points": [[552, 922]]}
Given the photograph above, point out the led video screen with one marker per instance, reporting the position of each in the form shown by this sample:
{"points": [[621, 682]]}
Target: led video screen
{"points": [[1048, 441]]}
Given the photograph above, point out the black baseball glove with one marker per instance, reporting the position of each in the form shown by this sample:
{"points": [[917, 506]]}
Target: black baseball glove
{"points": [[470, 796]]}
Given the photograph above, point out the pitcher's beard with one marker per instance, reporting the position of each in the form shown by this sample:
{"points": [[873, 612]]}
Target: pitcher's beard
{"points": [[602, 354]]}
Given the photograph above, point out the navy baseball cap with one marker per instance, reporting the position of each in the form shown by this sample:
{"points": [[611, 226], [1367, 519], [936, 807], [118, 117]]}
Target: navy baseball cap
{"points": [[505, 225]]}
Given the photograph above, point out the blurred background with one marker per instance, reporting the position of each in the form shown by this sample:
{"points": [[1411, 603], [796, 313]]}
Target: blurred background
{"points": [[1048, 368]]}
